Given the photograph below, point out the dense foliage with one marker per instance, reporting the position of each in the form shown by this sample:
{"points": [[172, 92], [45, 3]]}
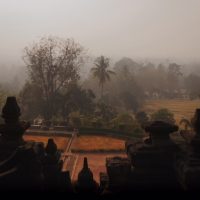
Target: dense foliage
{"points": [[111, 96], [163, 115]]}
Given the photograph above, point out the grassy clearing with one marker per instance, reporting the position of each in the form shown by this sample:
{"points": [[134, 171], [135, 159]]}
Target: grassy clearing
{"points": [[60, 141], [180, 108], [94, 143]]}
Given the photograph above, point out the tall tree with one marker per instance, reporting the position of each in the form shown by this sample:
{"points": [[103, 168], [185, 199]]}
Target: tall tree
{"points": [[53, 65], [174, 73], [129, 92], [101, 71], [192, 81], [31, 101], [77, 99]]}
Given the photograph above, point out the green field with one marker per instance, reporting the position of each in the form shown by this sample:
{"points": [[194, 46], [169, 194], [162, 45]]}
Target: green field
{"points": [[180, 108]]}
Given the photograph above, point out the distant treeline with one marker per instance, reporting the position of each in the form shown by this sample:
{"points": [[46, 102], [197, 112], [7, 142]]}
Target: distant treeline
{"points": [[54, 89]]}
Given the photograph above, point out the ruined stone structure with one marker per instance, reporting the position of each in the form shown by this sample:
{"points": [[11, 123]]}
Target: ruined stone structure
{"points": [[85, 182], [188, 160], [26, 165], [156, 163]]}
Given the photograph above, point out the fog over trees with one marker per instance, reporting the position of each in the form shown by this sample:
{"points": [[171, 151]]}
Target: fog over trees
{"points": [[84, 82], [61, 83], [57, 70], [92, 58]]}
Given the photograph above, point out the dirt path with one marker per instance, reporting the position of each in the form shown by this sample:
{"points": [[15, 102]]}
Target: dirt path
{"points": [[73, 162]]}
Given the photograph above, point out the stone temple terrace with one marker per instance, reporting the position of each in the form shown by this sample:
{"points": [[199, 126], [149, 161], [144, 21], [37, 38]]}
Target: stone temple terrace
{"points": [[151, 164]]}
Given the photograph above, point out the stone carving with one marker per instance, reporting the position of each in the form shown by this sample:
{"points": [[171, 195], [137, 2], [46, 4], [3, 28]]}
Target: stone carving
{"points": [[188, 161], [85, 182], [119, 170], [150, 165], [19, 166], [26, 165]]}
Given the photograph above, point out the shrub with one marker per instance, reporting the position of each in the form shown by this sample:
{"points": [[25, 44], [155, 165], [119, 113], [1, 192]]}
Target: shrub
{"points": [[163, 115], [97, 122], [121, 121], [75, 120], [86, 121], [142, 118], [127, 124]]}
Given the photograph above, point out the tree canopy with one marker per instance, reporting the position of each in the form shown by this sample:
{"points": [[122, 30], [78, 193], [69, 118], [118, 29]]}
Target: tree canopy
{"points": [[53, 64], [101, 71]]}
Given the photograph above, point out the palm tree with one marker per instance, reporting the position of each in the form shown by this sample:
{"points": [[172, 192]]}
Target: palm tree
{"points": [[101, 71]]}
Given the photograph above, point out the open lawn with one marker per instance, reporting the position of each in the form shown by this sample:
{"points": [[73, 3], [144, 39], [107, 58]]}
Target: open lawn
{"points": [[180, 108], [60, 141], [93, 143]]}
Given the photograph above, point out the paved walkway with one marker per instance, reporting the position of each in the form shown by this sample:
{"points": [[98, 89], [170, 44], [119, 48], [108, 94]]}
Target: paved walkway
{"points": [[69, 158]]}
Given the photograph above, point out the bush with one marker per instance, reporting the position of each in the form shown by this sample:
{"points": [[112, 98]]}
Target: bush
{"points": [[142, 118], [163, 115], [104, 111], [86, 121], [127, 124], [75, 119], [97, 123], [121, 121]]}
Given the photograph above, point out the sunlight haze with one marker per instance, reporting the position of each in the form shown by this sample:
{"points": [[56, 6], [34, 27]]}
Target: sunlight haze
{"points": [[115, 28]]}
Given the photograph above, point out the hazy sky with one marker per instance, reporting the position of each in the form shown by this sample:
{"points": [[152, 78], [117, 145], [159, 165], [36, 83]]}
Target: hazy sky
{"points": [[115, 28]]}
